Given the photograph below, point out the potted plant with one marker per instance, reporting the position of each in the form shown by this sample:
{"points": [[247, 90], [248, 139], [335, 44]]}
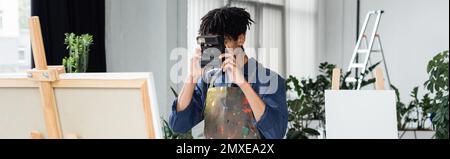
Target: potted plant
{"points": [[433, 107], [437, 84], [307, 107], [413, 119], [79, 47]]}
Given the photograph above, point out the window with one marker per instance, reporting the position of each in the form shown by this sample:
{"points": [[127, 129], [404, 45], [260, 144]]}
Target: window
{"points": [[15, 48], [21, 55]]}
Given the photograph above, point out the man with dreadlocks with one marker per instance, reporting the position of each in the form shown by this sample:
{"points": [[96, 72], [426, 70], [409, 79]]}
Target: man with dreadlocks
{"points": [[268, 107]]}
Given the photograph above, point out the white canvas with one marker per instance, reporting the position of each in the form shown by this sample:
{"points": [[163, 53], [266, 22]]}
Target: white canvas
{"points": [[20, 113], [90, 113], [360, 115]]}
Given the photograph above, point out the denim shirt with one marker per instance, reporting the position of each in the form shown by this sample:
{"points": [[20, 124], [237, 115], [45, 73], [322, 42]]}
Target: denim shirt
{"points": [[270, 87]]}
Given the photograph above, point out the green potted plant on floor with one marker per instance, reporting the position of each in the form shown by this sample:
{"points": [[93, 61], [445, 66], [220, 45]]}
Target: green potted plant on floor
{"points": [[413, 119], [437, 84], [432, 107]]}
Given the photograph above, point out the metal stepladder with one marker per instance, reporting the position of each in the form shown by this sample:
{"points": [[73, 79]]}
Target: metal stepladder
{"points": [[368, 51]]}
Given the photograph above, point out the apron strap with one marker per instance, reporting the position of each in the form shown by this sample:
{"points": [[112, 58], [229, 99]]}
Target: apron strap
{"points": [[213, 79]]}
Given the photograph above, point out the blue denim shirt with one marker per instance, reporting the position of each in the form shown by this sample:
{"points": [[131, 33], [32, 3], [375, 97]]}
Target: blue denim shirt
{"points": [[270, 87]]}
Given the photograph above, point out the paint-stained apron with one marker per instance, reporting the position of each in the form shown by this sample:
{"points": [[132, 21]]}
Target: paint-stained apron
{"points": [[228, 114]]}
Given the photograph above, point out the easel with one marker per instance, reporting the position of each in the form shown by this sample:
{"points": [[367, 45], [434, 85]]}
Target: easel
{"points": [[379, 79], [47, 78], [45, 75], [359, 111]]}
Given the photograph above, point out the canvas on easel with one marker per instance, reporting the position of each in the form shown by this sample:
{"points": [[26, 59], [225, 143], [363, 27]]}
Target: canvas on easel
{"points": [[360, 114], [20, 108], [45, 102]]}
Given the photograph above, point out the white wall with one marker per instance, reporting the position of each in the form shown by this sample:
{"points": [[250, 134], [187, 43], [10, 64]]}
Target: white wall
{"points": [[139, 37], [412, 32]]}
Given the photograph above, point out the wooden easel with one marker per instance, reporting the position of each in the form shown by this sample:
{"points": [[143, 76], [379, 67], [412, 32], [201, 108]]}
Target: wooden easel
{"points": [[48, 78], [45, 75], [379, 79]]}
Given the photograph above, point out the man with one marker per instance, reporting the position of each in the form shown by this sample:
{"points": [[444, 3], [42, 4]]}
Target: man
{"points": [[268, 106]]}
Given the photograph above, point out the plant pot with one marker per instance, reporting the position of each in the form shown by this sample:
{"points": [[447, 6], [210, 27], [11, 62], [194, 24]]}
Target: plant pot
{"points": [[416, 134], [316, 125]]}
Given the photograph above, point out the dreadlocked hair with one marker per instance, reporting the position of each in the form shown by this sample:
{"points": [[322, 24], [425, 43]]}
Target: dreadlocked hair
{"points": [[227, 21]]}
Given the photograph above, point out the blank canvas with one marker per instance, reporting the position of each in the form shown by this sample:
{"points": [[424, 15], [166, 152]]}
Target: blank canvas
{"points": [[360, 115]]}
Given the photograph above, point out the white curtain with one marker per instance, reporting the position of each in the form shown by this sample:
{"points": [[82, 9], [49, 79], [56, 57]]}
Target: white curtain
{"points": [[196, 10], [272, 54], [302, 40], [265, 39]]}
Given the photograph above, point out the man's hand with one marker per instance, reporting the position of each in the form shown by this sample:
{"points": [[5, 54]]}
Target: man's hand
{"points": [[233, 66], [195, 70], [194, 73]]}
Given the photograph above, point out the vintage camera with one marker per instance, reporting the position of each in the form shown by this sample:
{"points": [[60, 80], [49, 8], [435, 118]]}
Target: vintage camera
{"points": [[212, 47]]}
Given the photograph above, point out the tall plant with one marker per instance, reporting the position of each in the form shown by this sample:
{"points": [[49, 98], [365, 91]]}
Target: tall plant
{"points": [[79, 47], [437, 84], [414, 115]]}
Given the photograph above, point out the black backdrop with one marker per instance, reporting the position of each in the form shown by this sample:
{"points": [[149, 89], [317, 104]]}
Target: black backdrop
{"points": [[78, 16]]}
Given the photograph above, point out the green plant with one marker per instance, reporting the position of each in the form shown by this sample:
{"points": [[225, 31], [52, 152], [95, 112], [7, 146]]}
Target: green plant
{"points": [[401, 108], [306, 107], [414, 115], [437, 84], [364, 82], [310, 104], [169, 134], [79, 47]]}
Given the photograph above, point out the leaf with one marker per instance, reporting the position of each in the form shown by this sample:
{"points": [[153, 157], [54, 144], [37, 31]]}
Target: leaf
{"points": [[291, 117], [311, 131], [371, 68], [305, 111], [174, 92], [368, 82], [296, 105], [293, 134], [414, 92]]}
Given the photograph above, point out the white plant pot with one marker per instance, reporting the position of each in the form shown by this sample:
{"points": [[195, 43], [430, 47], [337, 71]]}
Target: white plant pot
{"points": [[416, 134], [316, 125]]}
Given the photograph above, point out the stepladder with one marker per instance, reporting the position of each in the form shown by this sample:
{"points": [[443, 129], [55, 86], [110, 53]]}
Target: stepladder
{"points": [[367, 46]]}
